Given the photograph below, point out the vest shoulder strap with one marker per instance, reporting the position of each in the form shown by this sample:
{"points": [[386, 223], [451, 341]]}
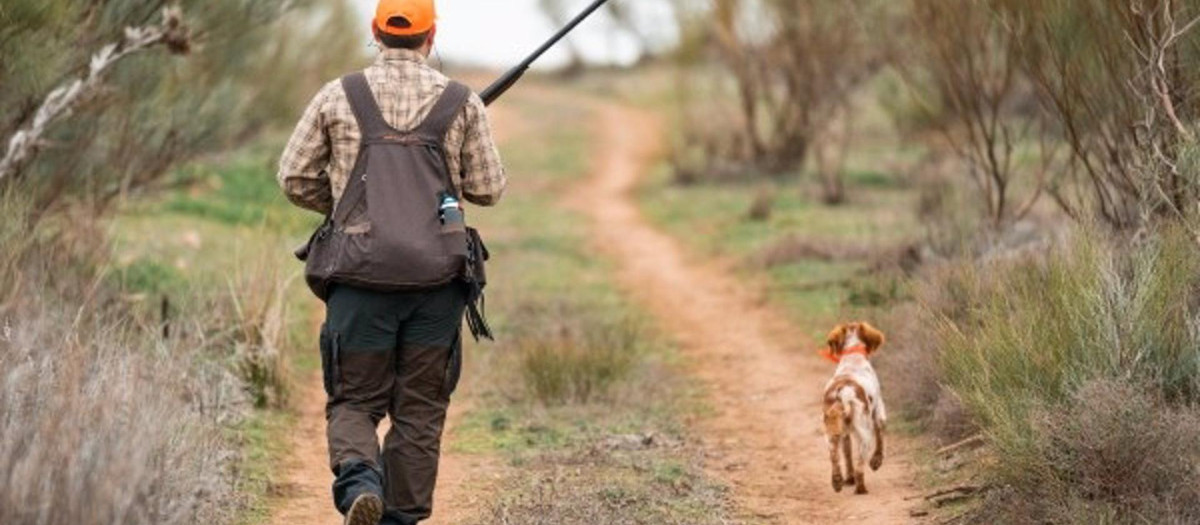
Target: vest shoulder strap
{"points": [[366, 110], [442, 116]]}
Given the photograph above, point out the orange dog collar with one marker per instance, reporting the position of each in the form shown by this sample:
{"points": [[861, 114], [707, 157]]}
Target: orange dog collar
{"points": [[859, 349]]}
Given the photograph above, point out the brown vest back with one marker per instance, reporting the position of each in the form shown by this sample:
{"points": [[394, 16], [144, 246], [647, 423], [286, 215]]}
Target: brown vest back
{"points": [[385, 233]]}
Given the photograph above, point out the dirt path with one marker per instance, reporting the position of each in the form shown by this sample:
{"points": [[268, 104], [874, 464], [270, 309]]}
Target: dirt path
{"points": [[304, 491], [302, 494], [763, 375]]}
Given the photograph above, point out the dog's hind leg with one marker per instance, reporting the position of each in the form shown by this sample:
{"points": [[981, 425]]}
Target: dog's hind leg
{"points": [[837, 479], [846, 451], [877, 458], [864, 443], [880, 420]]}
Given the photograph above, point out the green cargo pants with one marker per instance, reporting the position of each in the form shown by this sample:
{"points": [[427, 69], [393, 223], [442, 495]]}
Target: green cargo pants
{"points": [[396, 354]]}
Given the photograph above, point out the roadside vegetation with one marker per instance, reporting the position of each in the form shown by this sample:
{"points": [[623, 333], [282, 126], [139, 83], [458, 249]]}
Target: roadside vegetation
{"points": [[1081, 367], [146, 325], [215, 248]]}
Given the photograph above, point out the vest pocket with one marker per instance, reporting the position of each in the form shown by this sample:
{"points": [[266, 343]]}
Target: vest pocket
{"points": [[358, 255]]}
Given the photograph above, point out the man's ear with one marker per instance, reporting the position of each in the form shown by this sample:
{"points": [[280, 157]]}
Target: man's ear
{"points": [[836, 339], [432, 35], [871, 336]]}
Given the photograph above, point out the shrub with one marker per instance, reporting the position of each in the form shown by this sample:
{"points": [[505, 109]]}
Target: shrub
{"points": [[1117, 77], [761, 206], [1034, 327], [1111, 454], [104, 418], [579, 360], [1064, 358]]}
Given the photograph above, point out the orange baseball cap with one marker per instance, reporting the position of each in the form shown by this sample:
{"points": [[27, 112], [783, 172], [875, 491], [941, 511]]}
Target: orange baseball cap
{"points": [[405, 17]]}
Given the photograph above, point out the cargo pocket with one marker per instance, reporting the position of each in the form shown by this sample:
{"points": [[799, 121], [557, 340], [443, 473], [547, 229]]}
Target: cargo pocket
{"points": [[330, 361], [453, 367]]}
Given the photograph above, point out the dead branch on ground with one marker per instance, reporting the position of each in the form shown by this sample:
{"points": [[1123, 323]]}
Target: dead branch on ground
{"points": [[951, 448]]}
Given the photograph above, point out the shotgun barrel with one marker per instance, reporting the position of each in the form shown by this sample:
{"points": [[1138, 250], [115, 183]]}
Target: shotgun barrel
{"points": [[507, 80]]}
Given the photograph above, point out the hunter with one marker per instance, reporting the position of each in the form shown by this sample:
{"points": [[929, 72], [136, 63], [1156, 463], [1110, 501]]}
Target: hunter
{"points": [[391, 350]]}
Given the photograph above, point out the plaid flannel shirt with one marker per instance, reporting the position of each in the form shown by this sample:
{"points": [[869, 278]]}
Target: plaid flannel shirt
{"points": [[317, 161]]}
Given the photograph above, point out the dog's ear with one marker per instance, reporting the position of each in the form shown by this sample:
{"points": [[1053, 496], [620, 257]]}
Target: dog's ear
{"points": [[871, 336], [836, 339]]}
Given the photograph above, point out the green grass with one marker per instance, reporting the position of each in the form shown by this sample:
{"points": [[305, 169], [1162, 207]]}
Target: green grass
{"points": [[543, 274], [712, 220], [238, 189], [148, 276], [225, 218], [544, 279], [263, 445]]}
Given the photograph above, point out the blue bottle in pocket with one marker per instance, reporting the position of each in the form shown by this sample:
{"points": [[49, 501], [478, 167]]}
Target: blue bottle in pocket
{"points": [[450, 212]]}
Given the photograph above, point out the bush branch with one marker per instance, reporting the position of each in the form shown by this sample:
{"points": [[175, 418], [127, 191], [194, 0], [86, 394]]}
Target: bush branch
{"points": [[27, 141]]}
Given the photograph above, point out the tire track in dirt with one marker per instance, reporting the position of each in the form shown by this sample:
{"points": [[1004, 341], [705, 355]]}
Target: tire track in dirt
{"points": [[762, 374]]}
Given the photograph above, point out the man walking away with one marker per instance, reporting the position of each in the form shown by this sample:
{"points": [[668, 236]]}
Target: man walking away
{"points": [[393, 351]]}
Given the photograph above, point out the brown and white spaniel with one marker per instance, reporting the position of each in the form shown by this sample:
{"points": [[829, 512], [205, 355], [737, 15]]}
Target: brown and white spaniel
{"points": [[854, 413]]}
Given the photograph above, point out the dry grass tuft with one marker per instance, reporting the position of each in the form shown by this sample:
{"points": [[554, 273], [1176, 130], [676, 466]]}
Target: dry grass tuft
{"points": [[793, 249], [258, 298], [104, 418], [102, 426], [581, 358], [797, 248]]}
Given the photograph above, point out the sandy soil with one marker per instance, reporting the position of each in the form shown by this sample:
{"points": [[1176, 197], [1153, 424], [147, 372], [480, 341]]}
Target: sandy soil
{"points": [[763, 377]]}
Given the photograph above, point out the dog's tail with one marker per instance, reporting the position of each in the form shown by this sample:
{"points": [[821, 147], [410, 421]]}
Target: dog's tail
{"points": [[839, 409]]}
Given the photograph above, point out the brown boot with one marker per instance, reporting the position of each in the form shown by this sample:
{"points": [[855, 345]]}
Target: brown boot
{"points": [[366, 510]]}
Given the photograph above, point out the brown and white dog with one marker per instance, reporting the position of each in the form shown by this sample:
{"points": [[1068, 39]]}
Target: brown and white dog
{"points": [[854, 413]]}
